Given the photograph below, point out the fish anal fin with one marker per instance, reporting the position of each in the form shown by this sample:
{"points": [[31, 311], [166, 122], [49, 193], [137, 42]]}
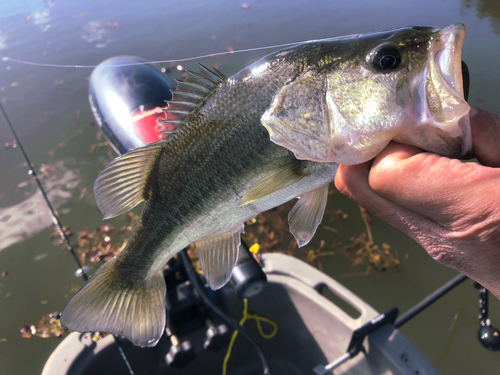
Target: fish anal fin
{"points": [[306, 215], [274, 181], [218, 256], [123, 183], [131, 309]]}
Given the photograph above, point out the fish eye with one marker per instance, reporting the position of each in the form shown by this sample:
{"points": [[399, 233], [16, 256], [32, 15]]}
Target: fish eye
{"points": [[387, 59]]}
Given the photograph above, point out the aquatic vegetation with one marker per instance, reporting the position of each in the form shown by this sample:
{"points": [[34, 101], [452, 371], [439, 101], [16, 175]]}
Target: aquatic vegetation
{"points": [[48, 326], [489, 9], [102, 143], [270, 231], [363, 249], [104, 242]]}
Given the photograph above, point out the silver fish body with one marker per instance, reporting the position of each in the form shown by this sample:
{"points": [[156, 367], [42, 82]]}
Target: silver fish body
{"points": [[275, 131]]}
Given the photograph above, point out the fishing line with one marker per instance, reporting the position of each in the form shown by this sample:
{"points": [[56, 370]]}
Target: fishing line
{"points": [[78, 66]]}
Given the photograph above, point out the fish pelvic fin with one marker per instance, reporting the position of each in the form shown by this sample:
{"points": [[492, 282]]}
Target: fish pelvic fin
{"points": [[122, 185], [274, 181], [104, 304], [218, 256], [306, 215]]}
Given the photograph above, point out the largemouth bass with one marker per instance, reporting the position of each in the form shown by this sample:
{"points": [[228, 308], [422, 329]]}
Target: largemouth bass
{"points": [[275, 131]]}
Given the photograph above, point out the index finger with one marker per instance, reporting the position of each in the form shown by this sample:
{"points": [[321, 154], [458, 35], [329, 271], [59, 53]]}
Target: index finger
{"points": [[485, 129]]}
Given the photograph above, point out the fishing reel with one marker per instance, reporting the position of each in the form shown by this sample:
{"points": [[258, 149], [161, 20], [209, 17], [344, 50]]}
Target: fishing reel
{"points": [[488, 336], [247, 279]]}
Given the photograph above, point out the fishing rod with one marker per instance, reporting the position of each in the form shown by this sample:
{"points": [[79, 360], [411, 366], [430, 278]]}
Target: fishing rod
{"points": [[81, 271], [55, 219], [430, 299]]}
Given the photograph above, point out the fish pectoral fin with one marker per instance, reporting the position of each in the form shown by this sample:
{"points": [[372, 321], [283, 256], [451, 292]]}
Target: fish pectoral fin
{"points": [[123, 183], [132, 309], [274, 181], [218, 256], [306, 215]]}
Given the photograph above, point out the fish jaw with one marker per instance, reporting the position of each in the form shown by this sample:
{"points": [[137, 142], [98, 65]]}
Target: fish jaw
{"points": [[449, 58], [437, 107]]}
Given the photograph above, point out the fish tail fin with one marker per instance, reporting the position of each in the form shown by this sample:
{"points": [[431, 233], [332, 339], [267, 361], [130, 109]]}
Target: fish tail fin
{"points": [[108, 303]]}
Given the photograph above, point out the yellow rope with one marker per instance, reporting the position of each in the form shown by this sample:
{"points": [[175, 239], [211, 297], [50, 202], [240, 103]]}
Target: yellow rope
{"points": [[258, 319]]}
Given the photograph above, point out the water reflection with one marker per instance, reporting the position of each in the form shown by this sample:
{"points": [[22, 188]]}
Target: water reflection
{"points": [[461, 319], [25, 219], [489, 9], [39, 14], [98, 32], [2, 40]]}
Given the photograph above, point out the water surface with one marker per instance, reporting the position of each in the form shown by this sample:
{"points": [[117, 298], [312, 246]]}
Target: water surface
{"points": [[50, 111]]}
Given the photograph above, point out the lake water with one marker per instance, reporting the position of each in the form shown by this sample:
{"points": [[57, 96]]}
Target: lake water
{"points": [[49, 108]]}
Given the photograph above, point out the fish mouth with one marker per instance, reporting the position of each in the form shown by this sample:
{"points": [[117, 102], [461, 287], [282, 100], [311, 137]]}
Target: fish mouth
{"points": [[439, 110], [443, 82], [448, 56]]}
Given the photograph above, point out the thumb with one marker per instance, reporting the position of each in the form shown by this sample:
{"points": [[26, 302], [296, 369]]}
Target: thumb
{"points": [[448, 191], [353, 181]]}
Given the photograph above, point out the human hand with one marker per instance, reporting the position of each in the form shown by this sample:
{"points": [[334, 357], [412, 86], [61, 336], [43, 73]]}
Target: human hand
{"points": [[451, 208]]}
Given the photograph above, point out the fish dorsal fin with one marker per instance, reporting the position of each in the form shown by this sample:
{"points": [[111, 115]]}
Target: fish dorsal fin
{"points": [[122, 184], [307, 214], [218, 256], [274, 181], [192, 93]]}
